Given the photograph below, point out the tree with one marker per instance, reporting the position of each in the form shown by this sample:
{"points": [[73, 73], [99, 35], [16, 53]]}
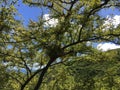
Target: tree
{"points": [[78, 22], [95, 71]]}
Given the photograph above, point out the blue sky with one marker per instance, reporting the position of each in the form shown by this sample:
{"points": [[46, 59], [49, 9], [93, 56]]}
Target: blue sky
{"points": [[28, 12], [105, 12], [33, 13]]}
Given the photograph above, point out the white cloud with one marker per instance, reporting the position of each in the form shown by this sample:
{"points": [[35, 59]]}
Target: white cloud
{"points": [[49, 22], [114, 21], [107, 46], [88, 43], [34, 67]]}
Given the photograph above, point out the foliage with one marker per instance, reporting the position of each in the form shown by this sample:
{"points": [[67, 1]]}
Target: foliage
{"points": [[22, 48], [85, 74]]}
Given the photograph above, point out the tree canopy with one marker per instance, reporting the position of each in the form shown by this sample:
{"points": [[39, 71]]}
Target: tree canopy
{"points": [[57, 52]]}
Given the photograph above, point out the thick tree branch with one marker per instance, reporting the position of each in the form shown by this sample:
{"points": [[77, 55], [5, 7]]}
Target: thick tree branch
{"points": [[103, 37], [43, 73], [29, 79], [38, 71]]}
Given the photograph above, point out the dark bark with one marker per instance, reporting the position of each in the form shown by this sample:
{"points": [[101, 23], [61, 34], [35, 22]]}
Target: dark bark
{"points": [[43, 73], [29, 79]]}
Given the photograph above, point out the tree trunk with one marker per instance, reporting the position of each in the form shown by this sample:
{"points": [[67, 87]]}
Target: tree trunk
{"points": [[42, 74], [29, 79]]}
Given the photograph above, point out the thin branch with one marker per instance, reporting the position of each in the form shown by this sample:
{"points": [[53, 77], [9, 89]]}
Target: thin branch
{"points": [[97, 8], [69, 10], [92, 12], [15, 79], [38, 71], [25, 64], [61, 6], [92, 39]]}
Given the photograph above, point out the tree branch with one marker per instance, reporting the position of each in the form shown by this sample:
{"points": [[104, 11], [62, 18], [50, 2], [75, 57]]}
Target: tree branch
{"points": [[43, 73], [92, 12], [38, 71], [92, 39]]}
